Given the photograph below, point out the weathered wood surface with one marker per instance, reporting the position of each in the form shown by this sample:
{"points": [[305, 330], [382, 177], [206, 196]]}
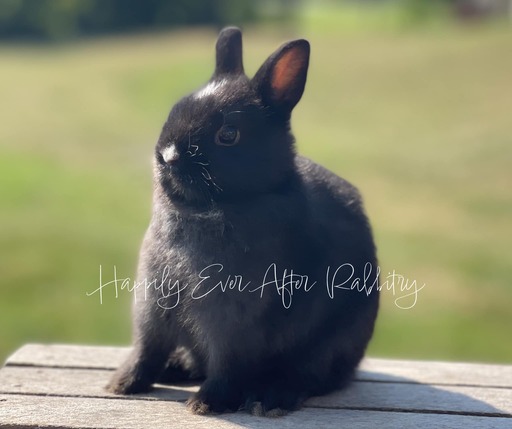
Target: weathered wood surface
{"points": [[62, 386], [361, 395], [92, 357]]}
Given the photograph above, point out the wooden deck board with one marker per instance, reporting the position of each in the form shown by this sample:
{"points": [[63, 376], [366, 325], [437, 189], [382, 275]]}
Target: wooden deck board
{"points": [[371, 369], [62, 386], [360, 395], [51, 412]]}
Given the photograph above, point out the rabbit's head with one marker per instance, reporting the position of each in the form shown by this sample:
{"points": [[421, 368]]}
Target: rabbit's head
{"points": [[231, 139]]}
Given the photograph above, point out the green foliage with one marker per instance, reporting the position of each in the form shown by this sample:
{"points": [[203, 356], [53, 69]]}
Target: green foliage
{"points": [[61, 19], [420, 11]]}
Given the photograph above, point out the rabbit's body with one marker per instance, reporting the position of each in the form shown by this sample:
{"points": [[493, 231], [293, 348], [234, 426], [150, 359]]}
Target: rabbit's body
{"points": [[242, 254]]}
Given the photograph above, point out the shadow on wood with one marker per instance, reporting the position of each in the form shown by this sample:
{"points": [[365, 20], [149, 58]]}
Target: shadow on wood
{"points": [[43, 386]]}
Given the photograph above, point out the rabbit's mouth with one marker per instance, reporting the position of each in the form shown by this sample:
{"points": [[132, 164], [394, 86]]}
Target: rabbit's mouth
{"points": [[187, 180]]}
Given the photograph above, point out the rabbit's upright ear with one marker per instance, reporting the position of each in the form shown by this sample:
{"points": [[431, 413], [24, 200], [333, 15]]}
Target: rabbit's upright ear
{"points": [[281, 79], [229, 52]]}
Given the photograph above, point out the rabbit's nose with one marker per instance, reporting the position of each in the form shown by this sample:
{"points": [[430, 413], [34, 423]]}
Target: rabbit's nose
{"points": [[170, 154]]}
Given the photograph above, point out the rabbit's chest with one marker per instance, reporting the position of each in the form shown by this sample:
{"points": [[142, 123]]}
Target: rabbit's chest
{"points": [[239, 248], [212, 258]]}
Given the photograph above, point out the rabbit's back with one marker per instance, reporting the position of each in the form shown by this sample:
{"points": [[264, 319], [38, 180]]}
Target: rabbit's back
{"points": [[336, 208]]}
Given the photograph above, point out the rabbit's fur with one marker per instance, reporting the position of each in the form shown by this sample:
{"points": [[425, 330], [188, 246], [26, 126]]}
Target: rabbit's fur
{"points": [[232, 201]]}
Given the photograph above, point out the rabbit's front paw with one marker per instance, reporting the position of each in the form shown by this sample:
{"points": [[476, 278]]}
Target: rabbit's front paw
{"points": [[215, 397], [126, 382]]}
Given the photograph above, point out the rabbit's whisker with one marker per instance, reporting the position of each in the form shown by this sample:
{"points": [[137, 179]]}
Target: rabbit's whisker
{"points": [[208, 176]]}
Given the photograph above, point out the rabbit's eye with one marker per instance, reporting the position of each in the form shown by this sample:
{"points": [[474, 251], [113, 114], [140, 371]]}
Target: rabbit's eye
{"points": [[228, 135]]}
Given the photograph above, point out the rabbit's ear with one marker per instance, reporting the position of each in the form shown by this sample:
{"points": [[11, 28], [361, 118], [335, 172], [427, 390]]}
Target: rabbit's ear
{"points": [[229, 52], [281, 79]]}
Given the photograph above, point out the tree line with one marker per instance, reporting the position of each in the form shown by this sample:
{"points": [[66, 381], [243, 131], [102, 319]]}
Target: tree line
{"points": [[61, 19]]}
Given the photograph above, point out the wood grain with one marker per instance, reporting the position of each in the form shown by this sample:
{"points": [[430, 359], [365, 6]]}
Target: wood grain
{"points": [[359, 395], [371, 369], [59, 386], [55, 412]]}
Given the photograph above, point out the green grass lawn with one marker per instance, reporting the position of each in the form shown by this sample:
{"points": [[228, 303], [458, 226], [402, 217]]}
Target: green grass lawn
{"points": [[419, 120]]}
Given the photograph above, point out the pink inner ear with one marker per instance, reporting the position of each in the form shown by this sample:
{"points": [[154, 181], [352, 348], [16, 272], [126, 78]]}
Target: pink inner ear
{"points": [[285, 72]]}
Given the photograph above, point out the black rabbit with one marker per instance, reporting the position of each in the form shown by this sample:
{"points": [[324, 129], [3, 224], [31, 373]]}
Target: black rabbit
{"points": [[258, 271]]}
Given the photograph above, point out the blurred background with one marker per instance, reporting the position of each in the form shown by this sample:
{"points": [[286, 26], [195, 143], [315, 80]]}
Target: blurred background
{"points": [[410, 100]]}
